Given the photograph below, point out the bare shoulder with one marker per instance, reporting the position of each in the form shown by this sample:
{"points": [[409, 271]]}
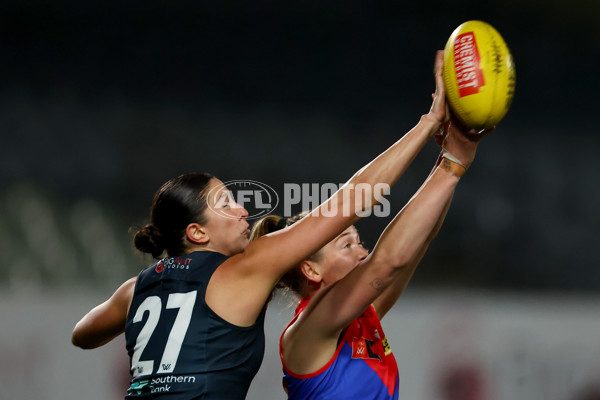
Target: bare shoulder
{"points": [[128, 286], [124, 294], [236, 292], [300, 336]]}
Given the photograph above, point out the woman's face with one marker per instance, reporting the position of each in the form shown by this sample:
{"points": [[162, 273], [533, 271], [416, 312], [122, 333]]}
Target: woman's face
{"points": [[226, 224], [340, 256]]}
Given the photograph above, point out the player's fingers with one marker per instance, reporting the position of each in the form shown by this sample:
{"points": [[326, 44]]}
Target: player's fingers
{"points": [[439, 62]]}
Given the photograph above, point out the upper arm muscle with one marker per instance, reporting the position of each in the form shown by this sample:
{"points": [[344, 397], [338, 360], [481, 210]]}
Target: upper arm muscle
{"points": [[105, 321]]}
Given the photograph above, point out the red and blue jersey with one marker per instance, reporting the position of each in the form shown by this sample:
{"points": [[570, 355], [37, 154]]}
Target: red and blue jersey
{"points": [[363, 366]]}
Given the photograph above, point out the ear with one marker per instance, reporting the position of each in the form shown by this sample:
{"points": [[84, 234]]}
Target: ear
{"points": [[310, 271], [196, 234]]}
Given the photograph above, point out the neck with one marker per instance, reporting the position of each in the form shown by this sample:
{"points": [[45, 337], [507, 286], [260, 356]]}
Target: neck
{"points": [[312, 288]]}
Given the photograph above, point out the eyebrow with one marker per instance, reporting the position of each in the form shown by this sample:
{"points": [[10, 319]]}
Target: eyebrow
{"points": [[343, 235], [225, 192], [222, 194]]}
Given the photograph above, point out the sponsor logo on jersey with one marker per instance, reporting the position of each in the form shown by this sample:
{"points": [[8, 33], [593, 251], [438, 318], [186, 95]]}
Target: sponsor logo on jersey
{"points": [[137, 387], [365, 348], [173, 263], [159, 384], [386, 347]]}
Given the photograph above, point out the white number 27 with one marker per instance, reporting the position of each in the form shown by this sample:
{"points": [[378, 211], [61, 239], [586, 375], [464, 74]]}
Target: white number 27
{"points": [[185, 302]]}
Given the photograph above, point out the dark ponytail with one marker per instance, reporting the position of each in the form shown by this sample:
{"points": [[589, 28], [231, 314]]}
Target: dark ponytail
{"points": [[178, 203]]}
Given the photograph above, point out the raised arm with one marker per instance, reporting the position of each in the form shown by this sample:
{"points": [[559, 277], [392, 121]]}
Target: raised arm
{"points": [[388, 297], [265, 260], [305, 237], [380, 279], [322, 225], [455, 140], [399, 244]]}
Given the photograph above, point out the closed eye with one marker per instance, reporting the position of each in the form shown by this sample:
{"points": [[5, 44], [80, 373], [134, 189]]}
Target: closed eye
{"points": [[225, 200]]}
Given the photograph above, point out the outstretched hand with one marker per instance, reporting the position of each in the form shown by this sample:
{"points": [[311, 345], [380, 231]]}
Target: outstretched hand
{"points": [[453, 137], [439, 111], [459, 140]]}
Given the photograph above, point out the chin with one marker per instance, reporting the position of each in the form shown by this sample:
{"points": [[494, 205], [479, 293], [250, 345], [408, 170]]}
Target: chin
{"points": [[244, 243]]}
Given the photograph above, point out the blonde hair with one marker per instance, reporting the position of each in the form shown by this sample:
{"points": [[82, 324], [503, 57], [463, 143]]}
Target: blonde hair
{"points": [[266, 225], [293, 280]]}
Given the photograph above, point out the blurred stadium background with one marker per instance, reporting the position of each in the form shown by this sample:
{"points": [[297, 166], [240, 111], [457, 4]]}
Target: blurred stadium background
{"points": [[101, 102]]}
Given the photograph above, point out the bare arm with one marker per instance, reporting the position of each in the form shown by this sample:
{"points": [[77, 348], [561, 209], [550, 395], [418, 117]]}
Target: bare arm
{"points": [[265, 260], [462, 144], [105, 321], [382, 277], [334, 307], [388, 297], [386, 300]]}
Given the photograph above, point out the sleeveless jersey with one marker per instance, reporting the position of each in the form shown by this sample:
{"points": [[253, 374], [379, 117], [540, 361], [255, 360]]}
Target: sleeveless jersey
{"points": [[179, 348], [363, 366]]}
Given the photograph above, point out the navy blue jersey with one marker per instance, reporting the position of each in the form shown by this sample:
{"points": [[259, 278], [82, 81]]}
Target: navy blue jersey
{"points": [[180, 349]]}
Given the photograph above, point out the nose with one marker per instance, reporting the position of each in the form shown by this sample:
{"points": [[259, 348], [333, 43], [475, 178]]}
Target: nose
{"points": [[242, 212], [239, 209], [362, 253]]}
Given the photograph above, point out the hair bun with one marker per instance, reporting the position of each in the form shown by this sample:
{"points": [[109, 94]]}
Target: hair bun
{"points": [[149, 240]]}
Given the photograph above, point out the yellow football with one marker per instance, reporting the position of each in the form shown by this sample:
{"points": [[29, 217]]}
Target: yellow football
{"points": [[479, 75]]}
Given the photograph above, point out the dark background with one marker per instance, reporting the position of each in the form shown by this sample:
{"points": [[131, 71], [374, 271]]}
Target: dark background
{"points": [[107, 100]]}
